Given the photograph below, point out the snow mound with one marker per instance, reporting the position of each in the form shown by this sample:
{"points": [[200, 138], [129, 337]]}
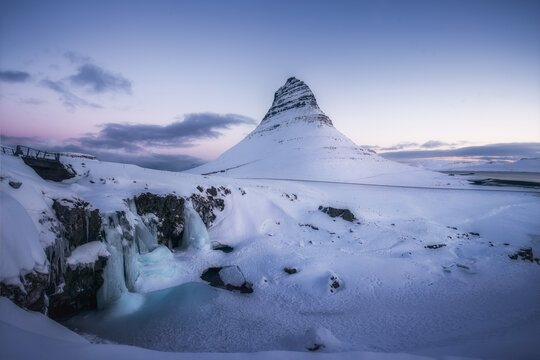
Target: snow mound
{"points": [[20, 248], [87, 254]]}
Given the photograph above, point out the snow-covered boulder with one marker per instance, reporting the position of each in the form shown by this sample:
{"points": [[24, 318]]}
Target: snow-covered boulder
{"points": [[227, 277]]}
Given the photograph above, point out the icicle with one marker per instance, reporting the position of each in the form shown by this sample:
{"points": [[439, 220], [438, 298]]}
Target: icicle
{"points": [[195, 233], [114, 284]]}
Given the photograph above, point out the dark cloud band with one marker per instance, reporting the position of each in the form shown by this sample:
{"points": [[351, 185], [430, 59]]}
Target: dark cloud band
{"points": [[177, 134], [14, 76], [504, 150]]}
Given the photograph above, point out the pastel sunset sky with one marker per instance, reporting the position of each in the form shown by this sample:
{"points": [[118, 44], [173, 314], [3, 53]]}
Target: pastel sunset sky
{"points": [[155, 82]]}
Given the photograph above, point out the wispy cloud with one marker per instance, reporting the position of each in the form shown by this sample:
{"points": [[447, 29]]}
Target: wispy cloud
{"points": [[14, 76], [77, 58], [69, 99], [31, 101], [98, 80], [432, 144], [400, 146]]}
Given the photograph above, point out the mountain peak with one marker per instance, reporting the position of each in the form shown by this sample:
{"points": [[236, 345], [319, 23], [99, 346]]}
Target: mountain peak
{"points": [[295, 100]]}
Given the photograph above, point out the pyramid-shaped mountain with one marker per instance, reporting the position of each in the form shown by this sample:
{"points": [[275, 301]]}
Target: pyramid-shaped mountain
{"points": [[296, 140]]}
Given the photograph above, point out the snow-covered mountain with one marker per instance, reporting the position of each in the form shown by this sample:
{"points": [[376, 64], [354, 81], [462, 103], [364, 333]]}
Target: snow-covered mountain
{"points": [[218, 265], [296, 140]]}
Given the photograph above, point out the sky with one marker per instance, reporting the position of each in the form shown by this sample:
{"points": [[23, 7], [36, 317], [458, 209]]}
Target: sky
{"points": [[172, 84]]}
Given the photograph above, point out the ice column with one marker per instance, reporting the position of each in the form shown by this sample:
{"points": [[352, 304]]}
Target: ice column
{"points": [[195, 233]]}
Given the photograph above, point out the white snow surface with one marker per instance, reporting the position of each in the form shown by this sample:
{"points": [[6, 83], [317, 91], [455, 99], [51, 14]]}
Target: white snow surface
{"points": [[396, 298], [20, 249], [87, 254], [30, 335]]}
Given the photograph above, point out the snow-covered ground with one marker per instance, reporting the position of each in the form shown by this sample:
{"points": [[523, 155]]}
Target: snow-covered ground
{"points": [[395, 295], [419, 266]]}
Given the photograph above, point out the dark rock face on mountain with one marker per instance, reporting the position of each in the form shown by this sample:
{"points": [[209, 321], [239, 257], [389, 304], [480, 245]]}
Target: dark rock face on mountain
{"points": [[295, 94]]}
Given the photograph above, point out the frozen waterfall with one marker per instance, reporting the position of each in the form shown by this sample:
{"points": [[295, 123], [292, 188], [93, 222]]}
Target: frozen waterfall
{"points": [[195, 233]]}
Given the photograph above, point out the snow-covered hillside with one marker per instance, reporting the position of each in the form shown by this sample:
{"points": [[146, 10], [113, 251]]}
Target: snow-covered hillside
{"points": [[320, 266], [296, 140]]}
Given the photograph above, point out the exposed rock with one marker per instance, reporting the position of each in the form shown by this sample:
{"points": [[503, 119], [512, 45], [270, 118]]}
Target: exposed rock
{"points": [[81, 223], [222, 247], [295, 94], [227, 277], [33, 296], [50, 169], [525, 254], [434, 246], [311, 226], [169, 210], [73, 289], [205, 206], [316, 347], [79, 290], [290, 271], [345, 214], [334, 283], [320, 338], [212, 191], [15, 184]]}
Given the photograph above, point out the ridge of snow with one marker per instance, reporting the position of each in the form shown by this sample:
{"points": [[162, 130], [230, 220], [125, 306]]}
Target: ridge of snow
{"points": [[87, 254]]}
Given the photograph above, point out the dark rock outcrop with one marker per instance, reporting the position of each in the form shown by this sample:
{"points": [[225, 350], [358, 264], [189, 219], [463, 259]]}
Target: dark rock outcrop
{"points": [[345, 214], [525, 254], [227, 277], [81, 223], [33, 297], [79, 291], [334, 282], [169, 209], [434, 246], [205, 207], [15, 184], [290, 271], [222, 247], [71, 290], [50, 169]]}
